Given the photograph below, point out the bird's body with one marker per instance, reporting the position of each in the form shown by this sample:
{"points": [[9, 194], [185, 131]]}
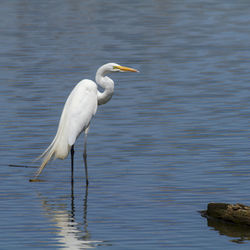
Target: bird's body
{"points": [[79, 109]]}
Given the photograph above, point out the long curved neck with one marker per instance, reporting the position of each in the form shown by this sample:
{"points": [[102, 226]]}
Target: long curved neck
{"points": [[106, 83]]}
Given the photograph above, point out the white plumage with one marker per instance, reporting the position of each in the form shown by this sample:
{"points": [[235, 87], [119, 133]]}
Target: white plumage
{"points": [[79, 108]]}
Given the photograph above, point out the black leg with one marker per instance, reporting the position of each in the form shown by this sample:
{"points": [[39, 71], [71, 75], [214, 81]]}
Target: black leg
{"points": [[72, 162], [85, 159]]}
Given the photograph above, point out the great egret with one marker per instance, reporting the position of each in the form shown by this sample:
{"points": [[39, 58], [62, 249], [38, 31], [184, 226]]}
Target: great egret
{"points": [[79, 108]]}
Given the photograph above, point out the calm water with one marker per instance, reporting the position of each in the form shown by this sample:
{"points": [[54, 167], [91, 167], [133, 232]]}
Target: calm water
{"points": [[172, 139]]}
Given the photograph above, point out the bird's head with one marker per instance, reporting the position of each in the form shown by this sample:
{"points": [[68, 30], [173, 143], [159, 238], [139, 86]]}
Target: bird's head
{"points": [[114, 67]]}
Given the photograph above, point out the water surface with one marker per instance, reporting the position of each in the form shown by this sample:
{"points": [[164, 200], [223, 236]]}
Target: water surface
{"points": [[172, 139]]}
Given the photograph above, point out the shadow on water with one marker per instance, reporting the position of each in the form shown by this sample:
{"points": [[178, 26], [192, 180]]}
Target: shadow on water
{"points": [[240, 233], [71, 234]]}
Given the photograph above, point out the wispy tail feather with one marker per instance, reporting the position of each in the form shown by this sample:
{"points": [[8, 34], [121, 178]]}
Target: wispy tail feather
{"points": [[46, 155], [46, 152], [44, 163], [59, 148]]}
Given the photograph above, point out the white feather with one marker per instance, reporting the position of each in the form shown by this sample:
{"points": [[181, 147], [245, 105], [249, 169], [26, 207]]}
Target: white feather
{"points": [[77, 113]]}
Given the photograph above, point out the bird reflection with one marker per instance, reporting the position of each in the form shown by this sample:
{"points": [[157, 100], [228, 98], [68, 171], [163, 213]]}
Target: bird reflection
{"points": [[85, 203], [72, 234]]}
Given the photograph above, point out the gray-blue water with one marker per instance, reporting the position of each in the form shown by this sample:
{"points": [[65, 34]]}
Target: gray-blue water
{"points": [[172, 139]]}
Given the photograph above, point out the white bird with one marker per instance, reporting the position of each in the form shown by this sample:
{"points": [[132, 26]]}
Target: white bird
{"points": [[79, 108]]}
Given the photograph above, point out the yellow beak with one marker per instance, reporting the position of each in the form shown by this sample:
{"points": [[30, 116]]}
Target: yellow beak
{"points": [[127, 69]]}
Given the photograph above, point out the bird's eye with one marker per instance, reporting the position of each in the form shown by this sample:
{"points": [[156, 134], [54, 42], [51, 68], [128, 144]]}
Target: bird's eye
{"points": [[115, 67]]}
